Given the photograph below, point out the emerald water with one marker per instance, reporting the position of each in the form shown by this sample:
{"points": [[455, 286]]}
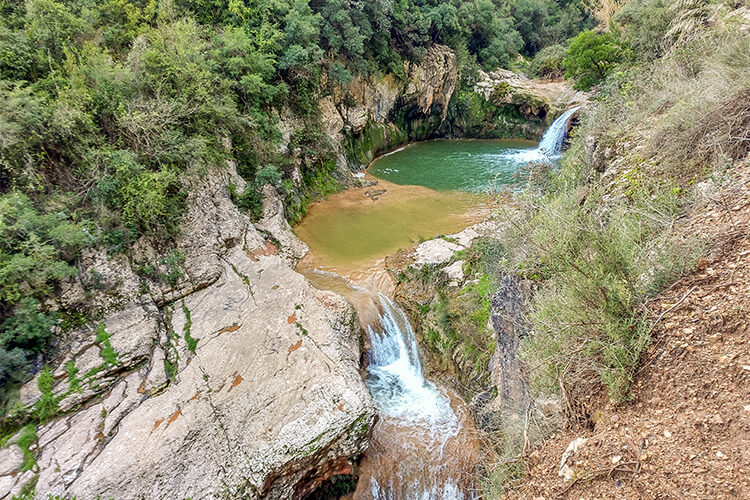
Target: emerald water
{"points": [[455, 165]]}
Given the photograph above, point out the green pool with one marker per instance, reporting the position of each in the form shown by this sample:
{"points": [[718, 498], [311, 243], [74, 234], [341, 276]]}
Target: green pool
{"points": [[455, 165]]}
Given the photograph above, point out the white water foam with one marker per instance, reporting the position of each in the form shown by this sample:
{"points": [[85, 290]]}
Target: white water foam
{"points": [[550, 147], [400, 390], [395, 375]]}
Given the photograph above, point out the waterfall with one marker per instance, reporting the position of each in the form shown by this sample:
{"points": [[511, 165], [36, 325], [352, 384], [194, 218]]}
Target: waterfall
{"points": [[418, 450], [395, 377], [550, 146], [551, 143]]}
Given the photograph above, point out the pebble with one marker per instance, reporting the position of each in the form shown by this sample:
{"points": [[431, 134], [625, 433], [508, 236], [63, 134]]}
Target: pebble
{"points": [[667, 434]]}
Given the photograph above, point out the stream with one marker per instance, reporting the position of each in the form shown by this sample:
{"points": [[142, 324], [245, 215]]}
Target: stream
{"points": [[424, 445]]}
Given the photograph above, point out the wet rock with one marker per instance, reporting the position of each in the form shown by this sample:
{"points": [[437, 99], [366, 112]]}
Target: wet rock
{"points": [[367, 183], [374, 194]]}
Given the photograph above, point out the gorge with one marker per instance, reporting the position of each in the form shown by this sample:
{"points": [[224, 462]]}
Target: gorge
{"points": [[334, 249], [424, 444]]}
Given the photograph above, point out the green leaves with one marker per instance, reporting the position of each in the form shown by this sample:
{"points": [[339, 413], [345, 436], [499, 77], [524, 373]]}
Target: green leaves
{"points": [[590, 58], [32, 247]]}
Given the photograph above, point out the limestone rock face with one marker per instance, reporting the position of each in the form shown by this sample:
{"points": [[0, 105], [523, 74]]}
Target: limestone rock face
{"points": [[435, 252], [433, 81], [375, 101], [274, 223], [534, 98], [507, 320], [242, 381]]}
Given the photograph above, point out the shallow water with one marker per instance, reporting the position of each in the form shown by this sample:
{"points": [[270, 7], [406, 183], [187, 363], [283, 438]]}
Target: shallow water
{"points": [[350, 232]]}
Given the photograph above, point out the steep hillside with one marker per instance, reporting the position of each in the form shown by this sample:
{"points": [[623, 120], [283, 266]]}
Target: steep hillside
{"points": [[687, 429]]}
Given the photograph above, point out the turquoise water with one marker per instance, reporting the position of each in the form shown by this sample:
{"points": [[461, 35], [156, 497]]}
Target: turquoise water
{"points": [[455, 165]]}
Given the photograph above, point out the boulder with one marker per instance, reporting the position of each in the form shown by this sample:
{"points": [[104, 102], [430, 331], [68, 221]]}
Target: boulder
{"points": [[455, 272], [435, 252]]}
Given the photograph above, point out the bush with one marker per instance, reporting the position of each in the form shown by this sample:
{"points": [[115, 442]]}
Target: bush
{"points": [[28, 328], [149, 202], [548, 63], [32, 248], [590, 58], [596, 267]]}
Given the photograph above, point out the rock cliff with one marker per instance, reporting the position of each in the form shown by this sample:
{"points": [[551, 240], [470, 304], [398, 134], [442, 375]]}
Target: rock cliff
{"points": [[234, 378]]}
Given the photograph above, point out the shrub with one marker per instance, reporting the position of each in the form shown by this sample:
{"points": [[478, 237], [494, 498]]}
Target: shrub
{"points": [[28, 328], [46, 406], [598, 267], [548, 62], [590, 58]]}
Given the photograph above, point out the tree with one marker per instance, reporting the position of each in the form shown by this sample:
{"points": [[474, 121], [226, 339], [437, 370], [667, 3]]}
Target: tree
{"points": [[548, 62], [590, 58], [301, 37]]}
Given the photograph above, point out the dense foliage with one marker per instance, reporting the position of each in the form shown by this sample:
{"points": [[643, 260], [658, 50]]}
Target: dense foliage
{"points": [[604, 235]]}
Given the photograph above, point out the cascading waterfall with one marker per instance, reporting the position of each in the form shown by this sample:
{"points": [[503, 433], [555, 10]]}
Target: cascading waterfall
{"points": [[395, 376], [552, 141], [551, 144], [420, 449]]}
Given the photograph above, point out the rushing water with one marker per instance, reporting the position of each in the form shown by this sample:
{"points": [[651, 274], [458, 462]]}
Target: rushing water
{"points": [[422, 447]]}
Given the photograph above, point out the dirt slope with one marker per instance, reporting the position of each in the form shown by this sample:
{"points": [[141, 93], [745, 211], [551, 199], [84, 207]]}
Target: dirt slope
{"points": [[687, 432]]}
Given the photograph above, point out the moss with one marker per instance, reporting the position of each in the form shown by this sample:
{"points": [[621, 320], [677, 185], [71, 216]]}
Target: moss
{"points": [[375, 139], [108, 352], [170, 369], [317, 184], [192, 343]]}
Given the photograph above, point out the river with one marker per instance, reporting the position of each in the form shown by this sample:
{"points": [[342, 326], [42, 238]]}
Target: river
{"points": [[424, 445]]}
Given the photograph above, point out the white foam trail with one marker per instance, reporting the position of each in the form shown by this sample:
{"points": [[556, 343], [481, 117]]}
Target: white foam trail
{"points": [[395, 375], [400, 390]]}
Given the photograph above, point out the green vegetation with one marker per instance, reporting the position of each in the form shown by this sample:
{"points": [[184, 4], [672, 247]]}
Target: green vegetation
{"points": [[46, 406], [26, 438], [107, 353], [670, 111], [192, 343], [109, 110], [590, 58]]}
